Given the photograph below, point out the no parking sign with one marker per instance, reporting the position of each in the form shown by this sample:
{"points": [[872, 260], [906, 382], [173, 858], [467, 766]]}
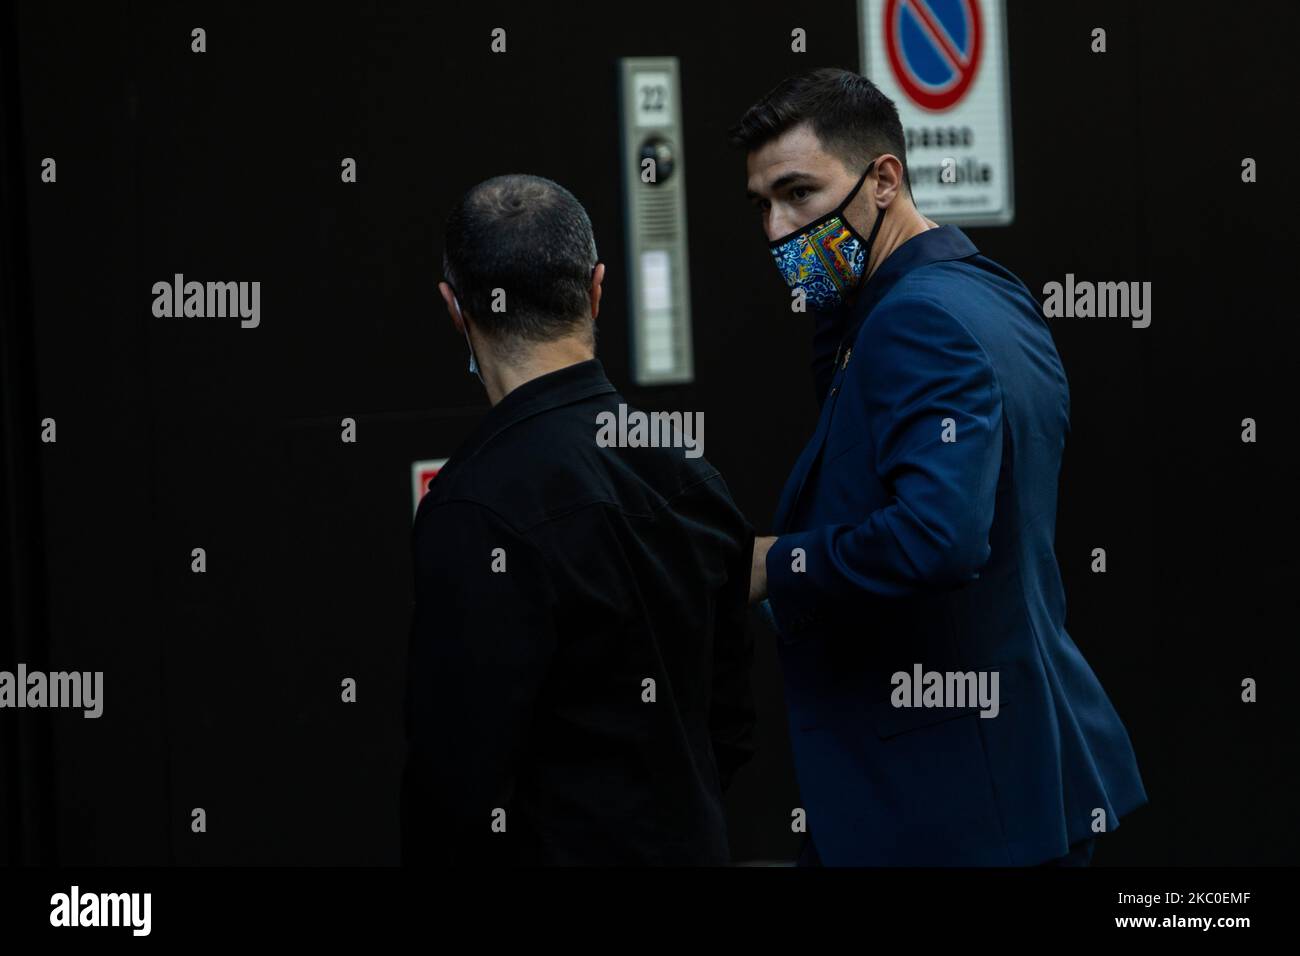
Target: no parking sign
{"points": [[944, 63]]}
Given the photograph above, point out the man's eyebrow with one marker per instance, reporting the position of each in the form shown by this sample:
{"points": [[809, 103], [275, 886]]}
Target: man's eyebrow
{"points": [[787, 179]]}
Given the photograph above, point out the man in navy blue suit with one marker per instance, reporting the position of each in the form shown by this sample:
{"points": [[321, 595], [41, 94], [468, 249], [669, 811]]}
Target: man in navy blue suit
{"points": [[939, 712]]}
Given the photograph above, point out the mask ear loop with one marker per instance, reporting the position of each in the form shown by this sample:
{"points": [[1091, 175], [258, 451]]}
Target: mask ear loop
{"points": [[839, 211], [880, 215], [464, 327]]}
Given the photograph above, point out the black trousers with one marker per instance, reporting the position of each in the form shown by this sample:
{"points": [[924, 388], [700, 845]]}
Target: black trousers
{"points": [[1080, 854]]}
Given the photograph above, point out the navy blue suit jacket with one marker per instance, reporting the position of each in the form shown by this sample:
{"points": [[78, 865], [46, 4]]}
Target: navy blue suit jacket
{"points": [[917, 528]]}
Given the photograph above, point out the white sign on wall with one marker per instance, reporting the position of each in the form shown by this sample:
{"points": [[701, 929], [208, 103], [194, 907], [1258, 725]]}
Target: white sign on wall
{"points": [[944, 63]]}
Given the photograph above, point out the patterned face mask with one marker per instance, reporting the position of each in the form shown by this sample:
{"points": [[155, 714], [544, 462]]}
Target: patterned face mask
{"points": [[826, 258]]}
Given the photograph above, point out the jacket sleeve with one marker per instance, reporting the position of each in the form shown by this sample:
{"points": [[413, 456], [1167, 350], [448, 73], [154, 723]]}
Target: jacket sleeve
{"points": [[732, 712], [482, 636], [934, 410]]}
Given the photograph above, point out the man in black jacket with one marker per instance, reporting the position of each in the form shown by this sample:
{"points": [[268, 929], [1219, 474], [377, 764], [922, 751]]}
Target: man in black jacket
{"points": [[578, 687]]}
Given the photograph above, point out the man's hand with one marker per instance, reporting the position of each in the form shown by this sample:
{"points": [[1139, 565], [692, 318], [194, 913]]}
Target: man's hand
{"points": [[758, 570]]}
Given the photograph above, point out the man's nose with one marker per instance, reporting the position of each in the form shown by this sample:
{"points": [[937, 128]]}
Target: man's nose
{"points": [[779, 224]]}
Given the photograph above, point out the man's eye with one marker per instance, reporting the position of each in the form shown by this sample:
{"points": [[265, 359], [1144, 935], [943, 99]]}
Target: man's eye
{"points": [[799, 193]]}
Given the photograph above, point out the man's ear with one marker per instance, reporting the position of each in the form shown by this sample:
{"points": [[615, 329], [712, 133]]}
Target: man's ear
{"points": [[597, 276], [453, 308], [889, 179]]}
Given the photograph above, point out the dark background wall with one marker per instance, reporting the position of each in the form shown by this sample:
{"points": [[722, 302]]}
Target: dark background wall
{"points": [[222, 689]]}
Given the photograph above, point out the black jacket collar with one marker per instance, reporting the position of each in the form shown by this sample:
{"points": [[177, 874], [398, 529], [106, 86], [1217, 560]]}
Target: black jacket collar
{"points": [[552, 390]]}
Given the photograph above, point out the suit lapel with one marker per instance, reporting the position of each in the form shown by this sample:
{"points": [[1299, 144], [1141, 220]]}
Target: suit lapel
{"points": [[804, 465]]}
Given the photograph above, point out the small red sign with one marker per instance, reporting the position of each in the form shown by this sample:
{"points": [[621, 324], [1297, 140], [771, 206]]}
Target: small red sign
{"points": [[423, 472]]}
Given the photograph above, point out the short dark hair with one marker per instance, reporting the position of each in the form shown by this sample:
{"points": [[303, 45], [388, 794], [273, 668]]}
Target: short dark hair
{"points": [[530, 237], [854, 121]]}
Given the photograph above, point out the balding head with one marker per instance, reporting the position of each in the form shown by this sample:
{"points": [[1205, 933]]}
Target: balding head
{"points": [[529, 237]]}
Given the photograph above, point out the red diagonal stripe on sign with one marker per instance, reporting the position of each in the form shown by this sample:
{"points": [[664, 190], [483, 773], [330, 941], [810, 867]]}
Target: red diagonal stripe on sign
{"points": [[938, 35]]}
